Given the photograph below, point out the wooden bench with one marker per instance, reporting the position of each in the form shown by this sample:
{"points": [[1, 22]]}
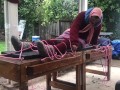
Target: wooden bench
{"points": [[22, 71], [106, 34], [87, 56], [93, 55]]}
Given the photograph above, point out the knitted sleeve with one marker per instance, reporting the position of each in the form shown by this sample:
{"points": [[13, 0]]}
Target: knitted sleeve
{"points": [[14, 1], [75, 28]]}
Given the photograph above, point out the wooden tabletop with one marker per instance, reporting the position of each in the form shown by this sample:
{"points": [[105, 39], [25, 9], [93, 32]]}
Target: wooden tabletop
{"points": [[19, 70]]}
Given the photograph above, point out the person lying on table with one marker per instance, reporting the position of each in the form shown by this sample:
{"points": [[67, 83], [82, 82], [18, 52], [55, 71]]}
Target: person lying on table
{"points": [[84, 30]]}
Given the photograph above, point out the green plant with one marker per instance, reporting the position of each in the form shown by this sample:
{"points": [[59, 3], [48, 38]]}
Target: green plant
{"points": [[28, 11], [54, 10], [2, 46]]}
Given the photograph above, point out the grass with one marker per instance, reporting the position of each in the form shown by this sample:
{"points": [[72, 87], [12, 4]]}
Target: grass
{"points": [[2, 46]]}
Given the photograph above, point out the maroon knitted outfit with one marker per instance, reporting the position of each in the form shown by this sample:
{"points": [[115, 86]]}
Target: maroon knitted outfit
{"points": [[14, 1], [77, 25]]}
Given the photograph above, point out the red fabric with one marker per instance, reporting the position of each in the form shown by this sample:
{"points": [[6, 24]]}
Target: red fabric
{"points": [[14, 1], [78, 29], [89, 28], [96, 12], [77, 26], [90, 35], [61, 46]]}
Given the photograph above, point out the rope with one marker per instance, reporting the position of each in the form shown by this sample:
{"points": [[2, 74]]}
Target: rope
{"points": [[106, 50], [52, 54]]}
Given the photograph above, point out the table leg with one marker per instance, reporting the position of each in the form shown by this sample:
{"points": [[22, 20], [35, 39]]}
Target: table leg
{"points": [[78, 77], [48, 80], [54, 76], [23, 86], [108, 68], [83, 72], [83, 76]]}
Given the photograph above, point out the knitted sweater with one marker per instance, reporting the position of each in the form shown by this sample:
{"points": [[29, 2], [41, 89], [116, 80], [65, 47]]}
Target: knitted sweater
{"points": [[14, 1], [78, 24]]}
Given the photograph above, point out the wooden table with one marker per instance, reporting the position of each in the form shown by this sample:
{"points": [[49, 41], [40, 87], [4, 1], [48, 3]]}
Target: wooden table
{"points": [[96, 54], [87, 56], [22, 71], [64, 85], [91, 56], [106, 34]]}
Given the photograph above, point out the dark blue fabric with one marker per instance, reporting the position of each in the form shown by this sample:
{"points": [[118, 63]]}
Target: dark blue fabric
{"points": [[87, 13], [116, 45], [102, 41], [116, 49]]}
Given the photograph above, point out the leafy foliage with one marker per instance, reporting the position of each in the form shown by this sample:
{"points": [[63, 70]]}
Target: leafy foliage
{"points": [[54, 10], [2, 46], [45, 11], [28, 12]]}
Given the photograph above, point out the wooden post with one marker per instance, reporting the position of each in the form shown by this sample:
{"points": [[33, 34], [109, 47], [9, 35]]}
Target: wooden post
{"points": [[83, 5], [79, 10], [11, 22]]}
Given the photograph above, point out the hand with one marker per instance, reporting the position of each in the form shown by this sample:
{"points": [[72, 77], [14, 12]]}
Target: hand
{"points": [[74, 47]]}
